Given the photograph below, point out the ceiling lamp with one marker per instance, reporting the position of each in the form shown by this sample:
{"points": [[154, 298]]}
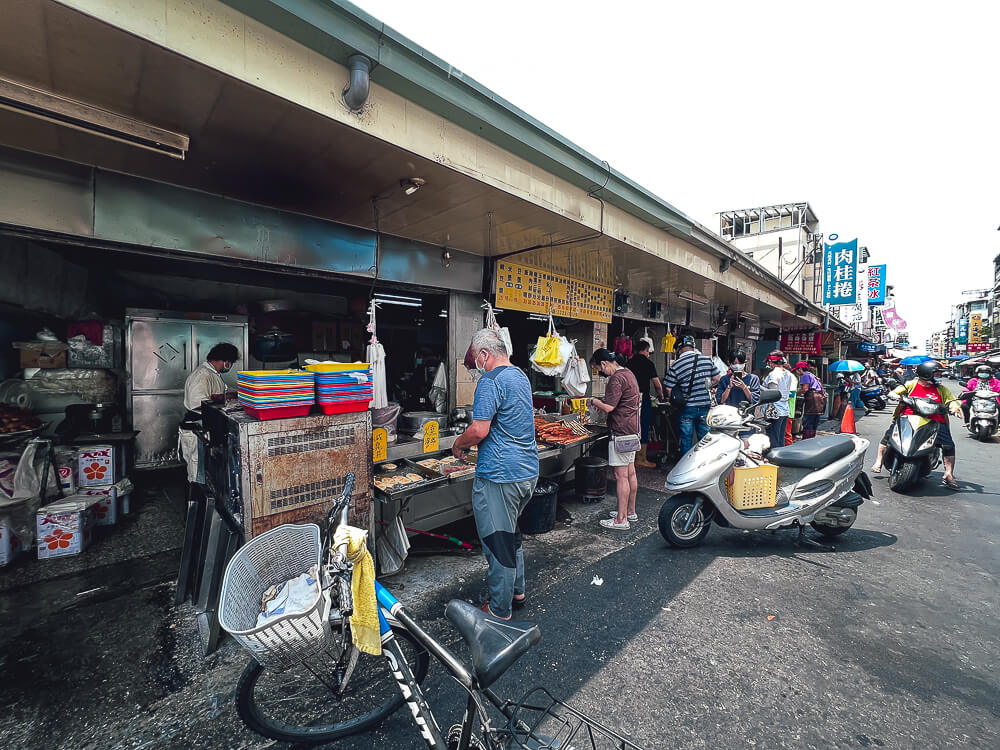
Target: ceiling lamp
{"points": [[54, 108], [411, 185]]}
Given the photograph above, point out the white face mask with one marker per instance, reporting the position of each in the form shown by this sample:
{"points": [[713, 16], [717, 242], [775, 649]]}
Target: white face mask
{"points": [[482, 369], [737, 368]]}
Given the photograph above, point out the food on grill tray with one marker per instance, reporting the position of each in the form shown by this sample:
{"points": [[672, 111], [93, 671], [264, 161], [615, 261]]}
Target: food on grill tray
{"points": [[13, 419], [555, 432], [449, 466]]}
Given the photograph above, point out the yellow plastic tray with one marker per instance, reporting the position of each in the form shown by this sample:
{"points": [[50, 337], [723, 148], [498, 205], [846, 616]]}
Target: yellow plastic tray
{"points": [[339, 367], [753, 487], [269, 373]]}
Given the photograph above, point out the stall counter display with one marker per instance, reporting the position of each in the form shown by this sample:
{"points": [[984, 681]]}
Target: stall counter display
{"points": [[64, 528]]}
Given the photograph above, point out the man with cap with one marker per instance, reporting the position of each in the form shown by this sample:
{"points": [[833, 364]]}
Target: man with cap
{"points": [[690, 375], [621, 403]]}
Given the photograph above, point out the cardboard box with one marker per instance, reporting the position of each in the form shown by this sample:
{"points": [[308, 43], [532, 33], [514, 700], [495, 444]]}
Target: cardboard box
{"points": [[109, 501], [49, 355], [10, 545], [63, 528], [97, 466]]}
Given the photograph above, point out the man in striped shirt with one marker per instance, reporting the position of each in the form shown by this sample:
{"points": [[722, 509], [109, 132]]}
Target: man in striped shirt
{"points": [[693, 374]]}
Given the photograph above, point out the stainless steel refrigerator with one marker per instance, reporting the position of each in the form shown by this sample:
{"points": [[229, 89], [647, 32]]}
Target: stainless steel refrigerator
{"points": [[164, 347]]}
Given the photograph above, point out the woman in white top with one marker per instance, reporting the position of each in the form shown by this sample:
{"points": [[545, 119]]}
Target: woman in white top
{"points": [[781, 380]]}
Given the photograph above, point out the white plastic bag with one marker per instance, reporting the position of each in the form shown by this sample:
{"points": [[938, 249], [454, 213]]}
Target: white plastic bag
{"points": [[577, 375], [491, 322]]}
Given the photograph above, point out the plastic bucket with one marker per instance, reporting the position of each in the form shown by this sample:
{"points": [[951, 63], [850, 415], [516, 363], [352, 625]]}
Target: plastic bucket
{"points": [[591, 476], [539, 515]]}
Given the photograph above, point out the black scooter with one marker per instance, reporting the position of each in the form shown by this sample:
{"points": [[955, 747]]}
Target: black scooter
{"points": [[913, 453]]}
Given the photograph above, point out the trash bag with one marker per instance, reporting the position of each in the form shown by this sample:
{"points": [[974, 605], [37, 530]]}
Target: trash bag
{"points": [[29, 487]]}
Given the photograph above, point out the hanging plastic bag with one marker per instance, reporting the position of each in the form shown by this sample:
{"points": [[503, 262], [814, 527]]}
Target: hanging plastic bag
{"points": [[576, 376], [491, 322], [667, 343], [547, 352], [551, 353], [623, 346]]}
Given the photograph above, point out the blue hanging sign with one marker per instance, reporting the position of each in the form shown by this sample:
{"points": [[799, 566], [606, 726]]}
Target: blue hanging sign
{"points": [[876, 285], [840, 272]]}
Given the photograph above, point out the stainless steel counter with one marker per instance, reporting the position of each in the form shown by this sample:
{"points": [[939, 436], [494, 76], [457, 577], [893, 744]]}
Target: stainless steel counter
{"points": [[452, 502]]}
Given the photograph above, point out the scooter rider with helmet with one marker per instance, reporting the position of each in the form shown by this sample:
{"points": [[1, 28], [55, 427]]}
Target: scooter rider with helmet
{"points": [[926, 386], [984, 380]]}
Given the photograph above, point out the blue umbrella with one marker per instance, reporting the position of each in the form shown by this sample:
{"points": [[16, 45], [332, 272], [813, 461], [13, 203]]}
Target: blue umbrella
{"points": [[846, 365], [916, 359]]}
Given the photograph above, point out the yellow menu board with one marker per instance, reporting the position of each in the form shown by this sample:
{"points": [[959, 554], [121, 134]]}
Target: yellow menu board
{"points": [[520, 287]]}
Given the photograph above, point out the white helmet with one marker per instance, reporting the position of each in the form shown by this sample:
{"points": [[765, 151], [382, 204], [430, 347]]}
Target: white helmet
{"points": [[724, 416]]}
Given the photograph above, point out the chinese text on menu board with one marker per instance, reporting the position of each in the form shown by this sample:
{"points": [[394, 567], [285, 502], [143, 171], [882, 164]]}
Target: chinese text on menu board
{"points": [[532, 290]]}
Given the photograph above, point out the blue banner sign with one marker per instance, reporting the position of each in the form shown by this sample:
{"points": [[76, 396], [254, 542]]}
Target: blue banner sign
{"points": [[840, 267], [876, 285]]}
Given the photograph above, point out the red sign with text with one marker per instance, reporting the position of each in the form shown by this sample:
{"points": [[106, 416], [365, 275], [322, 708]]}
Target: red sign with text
{"points": [[804, 342]]}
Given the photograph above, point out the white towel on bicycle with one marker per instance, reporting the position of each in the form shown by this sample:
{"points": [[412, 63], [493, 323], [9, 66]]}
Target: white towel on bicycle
{"points": [[293, 597]]}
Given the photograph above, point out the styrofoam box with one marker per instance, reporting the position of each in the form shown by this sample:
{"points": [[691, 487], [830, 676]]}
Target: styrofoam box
{"points": [[63, 528], [96, 466], [10, 545]]}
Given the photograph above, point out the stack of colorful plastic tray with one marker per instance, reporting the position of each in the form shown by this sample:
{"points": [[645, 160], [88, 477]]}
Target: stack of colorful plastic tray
{"points": [[276, 394], [343, 388]]}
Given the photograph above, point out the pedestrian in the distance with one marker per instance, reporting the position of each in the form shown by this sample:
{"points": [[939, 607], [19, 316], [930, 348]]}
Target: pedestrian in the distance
{"points": [[813, 396], [621, 403], [777, 413], [644, 370], [738, 386], [687, 383], [503, 426]]}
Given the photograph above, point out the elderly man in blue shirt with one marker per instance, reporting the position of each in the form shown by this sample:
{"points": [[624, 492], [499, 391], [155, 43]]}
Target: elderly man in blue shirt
{"points": [[503, 426]]}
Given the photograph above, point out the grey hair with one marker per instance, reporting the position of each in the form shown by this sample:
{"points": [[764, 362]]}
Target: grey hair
{"points": [[490, 340]]}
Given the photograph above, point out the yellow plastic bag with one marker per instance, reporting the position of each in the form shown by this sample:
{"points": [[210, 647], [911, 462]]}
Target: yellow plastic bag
{"points": [[547, 352], [667, 343]]}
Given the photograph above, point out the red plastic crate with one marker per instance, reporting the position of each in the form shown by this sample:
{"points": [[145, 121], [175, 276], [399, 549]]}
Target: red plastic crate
{"points": [[280, 412], [346, 407]]}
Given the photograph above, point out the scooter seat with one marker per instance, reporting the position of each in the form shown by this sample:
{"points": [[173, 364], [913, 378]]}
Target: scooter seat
{"points": [[814, 453], [494, 644]]}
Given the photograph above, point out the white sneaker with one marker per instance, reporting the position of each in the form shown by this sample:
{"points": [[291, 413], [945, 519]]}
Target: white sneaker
{"points": [[610, 523], [631, 516]]}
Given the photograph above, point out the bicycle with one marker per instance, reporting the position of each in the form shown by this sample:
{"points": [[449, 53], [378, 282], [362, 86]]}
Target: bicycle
{"points": [[318, 690]]}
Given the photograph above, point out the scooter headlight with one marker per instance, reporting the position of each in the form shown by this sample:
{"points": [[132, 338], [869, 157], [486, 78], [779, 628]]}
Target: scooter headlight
{"points": [[929, 443]]}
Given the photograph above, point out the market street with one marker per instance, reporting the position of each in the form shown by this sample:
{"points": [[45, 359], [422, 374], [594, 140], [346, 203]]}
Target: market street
{"points": [[889, 642]]}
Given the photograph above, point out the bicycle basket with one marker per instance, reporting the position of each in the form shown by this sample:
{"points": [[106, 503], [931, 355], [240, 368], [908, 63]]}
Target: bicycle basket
{"points": [[267, 560], [540, 722]]}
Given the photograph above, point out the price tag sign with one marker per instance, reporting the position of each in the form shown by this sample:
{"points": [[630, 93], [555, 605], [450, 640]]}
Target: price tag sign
{"points": [[380, 444], [430, 437]]}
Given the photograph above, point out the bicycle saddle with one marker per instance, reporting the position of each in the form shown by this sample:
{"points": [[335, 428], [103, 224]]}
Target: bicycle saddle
{"points": [[814, 453], [495, 644]]}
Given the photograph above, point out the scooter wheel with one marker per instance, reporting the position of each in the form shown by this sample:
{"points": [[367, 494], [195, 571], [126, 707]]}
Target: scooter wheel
{"points": [[674, 517]]}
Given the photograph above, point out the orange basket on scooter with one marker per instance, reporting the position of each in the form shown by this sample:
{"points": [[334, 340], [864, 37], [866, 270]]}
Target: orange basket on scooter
{"points": [[753, 487]]}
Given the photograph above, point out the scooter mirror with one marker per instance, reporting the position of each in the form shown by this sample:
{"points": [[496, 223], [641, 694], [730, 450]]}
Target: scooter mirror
{"points": [[963, 383], [770, 395]]}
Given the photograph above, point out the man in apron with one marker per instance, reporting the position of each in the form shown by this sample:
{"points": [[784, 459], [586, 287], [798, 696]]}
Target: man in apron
{"points": [[206, 381]]}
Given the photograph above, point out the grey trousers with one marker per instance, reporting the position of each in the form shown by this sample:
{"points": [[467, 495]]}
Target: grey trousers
{"points": [[497, 506]]}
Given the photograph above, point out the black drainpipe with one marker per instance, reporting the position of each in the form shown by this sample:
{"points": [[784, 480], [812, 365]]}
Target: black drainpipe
{"points": [[356, 93]]}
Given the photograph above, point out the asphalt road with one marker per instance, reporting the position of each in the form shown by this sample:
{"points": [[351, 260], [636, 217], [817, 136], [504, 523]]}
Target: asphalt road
{"points": [[890, 641]]}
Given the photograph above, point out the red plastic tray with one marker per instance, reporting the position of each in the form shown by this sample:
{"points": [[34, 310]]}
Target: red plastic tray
{"points": [[344, 408], [280, 412]]}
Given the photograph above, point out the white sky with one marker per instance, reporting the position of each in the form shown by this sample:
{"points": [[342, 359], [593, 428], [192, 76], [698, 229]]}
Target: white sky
{"points": [[883, 115]]}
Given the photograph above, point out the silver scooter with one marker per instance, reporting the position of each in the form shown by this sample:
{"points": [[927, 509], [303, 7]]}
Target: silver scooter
{"points": [[820, 480], [982, 411]]}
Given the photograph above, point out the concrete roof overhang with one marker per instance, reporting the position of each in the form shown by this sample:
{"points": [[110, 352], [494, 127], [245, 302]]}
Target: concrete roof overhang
{"points": [[250, 144]]}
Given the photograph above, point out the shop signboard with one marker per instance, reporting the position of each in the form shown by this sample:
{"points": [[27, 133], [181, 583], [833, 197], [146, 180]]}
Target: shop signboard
{"points": [[876, 285], [840, 272], [981, 347], [802, 342], [963, 331], [521, 287], [869, 348], [975, 328]]}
